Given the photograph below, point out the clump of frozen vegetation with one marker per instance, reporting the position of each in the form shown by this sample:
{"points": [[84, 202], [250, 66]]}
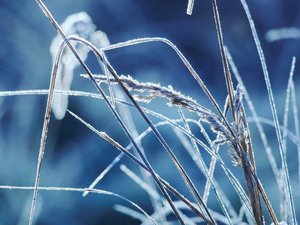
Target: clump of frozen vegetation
{"points": [[80, 25], [224, 125]]}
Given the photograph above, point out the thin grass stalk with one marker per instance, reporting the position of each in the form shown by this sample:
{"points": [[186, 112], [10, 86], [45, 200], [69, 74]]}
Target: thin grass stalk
{"points": [[292, 136], [166, 210], [218, 216], [251, 188], [226, 70], [195, 154], [252, 161], [228, 173], [176, 162], [185, 140], [261, 133], [209, 178], [197, 220], [152, 192], [138, 161], [140, 182], [249, 145], [213, 161], [255, 116], [129, 212], [111, 91], [129, 122], [263, 193], [273, 109], [73, 189], [59, 30], [249, 170], [296, 122], [253, 195], [287, 105], [190, 7], [103, 173], [46, 122], [284, 137]]}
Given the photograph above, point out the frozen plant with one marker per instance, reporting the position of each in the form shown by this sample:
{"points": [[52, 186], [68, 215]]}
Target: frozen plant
{"points": [[81, 25]]}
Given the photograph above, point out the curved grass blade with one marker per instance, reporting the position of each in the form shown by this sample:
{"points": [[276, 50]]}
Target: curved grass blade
{"points": [[273, 109], [72, 189]]}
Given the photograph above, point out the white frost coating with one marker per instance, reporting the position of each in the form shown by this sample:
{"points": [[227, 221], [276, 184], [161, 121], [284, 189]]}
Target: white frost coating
{"points": [[274, 111], [99, 39], [79, 24], [190, 7]]}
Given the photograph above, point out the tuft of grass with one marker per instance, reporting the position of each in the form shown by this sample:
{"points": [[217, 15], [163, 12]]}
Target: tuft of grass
{"points": [[219, 129]]}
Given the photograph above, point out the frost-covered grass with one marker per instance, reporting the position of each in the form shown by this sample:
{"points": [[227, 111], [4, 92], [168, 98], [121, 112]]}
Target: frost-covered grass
{"points": [[204, 131]]}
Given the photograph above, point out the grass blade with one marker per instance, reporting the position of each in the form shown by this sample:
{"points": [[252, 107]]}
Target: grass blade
{"points": [[274, 112]]}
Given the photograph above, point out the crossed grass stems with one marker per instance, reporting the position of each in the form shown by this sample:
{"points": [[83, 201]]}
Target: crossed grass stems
{"points": [[234, 132]]}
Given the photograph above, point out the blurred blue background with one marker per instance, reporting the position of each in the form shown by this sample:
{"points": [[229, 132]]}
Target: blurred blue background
{"points": [[74, 156]]}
